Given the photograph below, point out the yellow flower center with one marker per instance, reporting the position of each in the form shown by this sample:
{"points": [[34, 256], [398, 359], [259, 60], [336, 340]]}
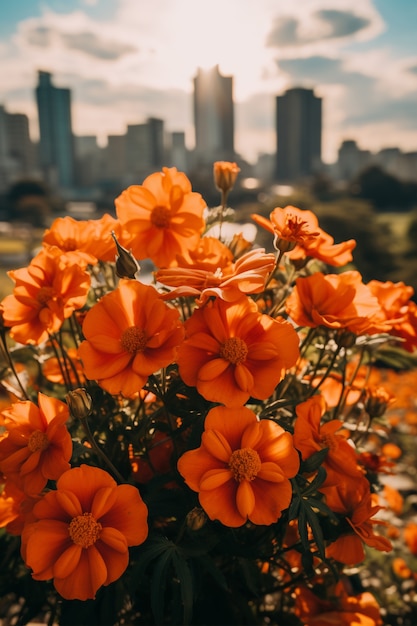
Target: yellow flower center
{"points": [[234, 350], [160, 217], [84, 530], [38, 440], [45, 294], [244, 464], [134, 339]]}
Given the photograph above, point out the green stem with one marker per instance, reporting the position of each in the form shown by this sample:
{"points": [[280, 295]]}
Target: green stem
{"points": [[10, 363], [99, 452]]}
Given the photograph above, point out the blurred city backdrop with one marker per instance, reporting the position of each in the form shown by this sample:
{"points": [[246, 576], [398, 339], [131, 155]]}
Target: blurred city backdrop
{"points": [[363, 193]]}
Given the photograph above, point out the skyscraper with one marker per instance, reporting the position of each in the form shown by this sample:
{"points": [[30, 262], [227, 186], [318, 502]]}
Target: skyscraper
{"points": [[213, 116], [145, 148], [298, 125], [56, 140], [17, 156]]}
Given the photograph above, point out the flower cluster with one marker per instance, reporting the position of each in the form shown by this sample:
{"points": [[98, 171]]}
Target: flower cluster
{"points": [[204, 437]]}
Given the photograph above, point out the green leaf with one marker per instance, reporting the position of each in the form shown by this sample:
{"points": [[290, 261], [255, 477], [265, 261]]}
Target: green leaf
{"points": [[315, 529], [208, 564], [183, 573], [148, 552], [158, 585], [314, 461]]}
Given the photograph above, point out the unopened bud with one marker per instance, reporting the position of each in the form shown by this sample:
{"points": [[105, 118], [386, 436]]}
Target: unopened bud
{"points": [[379, 398], [126, 264], [346, 339], [225, 174], [196, 519], [80, 403], [283, 245]]}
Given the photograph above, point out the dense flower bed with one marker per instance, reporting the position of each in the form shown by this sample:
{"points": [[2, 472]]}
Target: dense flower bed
{"points": [[212, 445]]}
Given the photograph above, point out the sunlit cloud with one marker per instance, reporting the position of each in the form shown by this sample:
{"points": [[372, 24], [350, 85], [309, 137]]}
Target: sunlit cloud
{"points": [[142, 61]]}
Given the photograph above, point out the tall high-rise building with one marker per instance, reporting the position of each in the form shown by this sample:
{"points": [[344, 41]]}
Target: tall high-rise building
{"points": [[145, 147], [213, 116], [17, 153], [56, 146], [298, 126]]}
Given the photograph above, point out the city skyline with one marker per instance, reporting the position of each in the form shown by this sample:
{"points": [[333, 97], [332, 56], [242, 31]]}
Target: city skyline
{"points": [[124, 65]]}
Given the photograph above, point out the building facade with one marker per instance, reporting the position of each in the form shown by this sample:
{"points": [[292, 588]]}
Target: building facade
{"points": [[298, 129], [17, 151], [213, 116], [56, 144]]}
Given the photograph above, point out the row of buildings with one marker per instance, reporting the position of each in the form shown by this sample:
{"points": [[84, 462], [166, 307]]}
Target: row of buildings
{"points": [[66, 161]]}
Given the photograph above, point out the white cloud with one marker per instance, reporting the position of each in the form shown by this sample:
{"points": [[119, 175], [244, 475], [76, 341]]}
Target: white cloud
{"points": [[141, 62]]}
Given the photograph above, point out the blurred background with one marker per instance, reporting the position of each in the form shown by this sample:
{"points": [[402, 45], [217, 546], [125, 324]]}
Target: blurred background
{"points": [[316, 101]]}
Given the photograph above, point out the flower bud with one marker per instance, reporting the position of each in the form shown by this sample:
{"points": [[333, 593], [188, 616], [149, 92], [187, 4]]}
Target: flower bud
{"points": [[196, 519], [225, 174], [346, 339], [80, 403], [283, 245], [126, 264], [379, 398]]}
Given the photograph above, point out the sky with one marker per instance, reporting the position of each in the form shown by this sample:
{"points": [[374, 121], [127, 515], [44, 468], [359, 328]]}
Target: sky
{"points": [[126, 60]]}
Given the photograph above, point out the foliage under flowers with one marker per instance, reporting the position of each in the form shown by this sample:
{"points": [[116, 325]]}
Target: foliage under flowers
{"points": [[207, 447]]}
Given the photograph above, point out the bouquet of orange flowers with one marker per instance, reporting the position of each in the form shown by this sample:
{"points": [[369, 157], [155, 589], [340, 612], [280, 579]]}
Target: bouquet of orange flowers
{"points": [[202, 445]]}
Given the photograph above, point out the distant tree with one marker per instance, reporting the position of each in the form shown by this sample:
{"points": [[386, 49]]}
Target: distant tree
{"points": [[29, 201], [383, 190], [356, 219]]}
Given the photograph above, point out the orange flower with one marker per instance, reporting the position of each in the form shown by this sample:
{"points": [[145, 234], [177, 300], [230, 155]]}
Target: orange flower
{"points": [[401, 569], [394, 499], [232, 352], [338, 609], [82, 531], [37, 446], [378, 399], [162, 218], [310, 436], [353, 499], [15, 508], [410, 537], [248, 275], [90, 239], [242, 467], [399, 311], [210, 254], [46, 293], [335, 301], [298, 233], [225, 174], [130, 333]]}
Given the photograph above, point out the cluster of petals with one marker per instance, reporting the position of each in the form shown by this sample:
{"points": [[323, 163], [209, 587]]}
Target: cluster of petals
{"points": [[15, 508], [232, 352], [353, 499], [46, 293], [246, 276], [129, 335], [336, 301], [91, 240], [399, 311], [338, 608], [301, 229], [81, 532], [161, 218], [312, 433], [36, 446], [242, 469]]}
